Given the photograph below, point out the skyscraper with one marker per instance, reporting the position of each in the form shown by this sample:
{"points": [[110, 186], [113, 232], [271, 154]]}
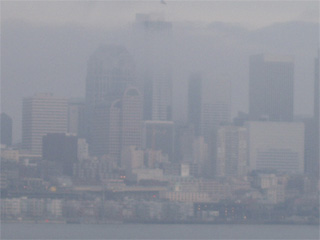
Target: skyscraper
{"points": [[42, 114], [152, 44], [317, 117], [215, 111], [6, 129], [118, 125], [271, 88], [110, 71], [131, 118], [195, 101]]}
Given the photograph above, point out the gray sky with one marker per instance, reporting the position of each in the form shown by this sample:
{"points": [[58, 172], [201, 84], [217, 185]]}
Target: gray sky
{"points": [[114, 13]]}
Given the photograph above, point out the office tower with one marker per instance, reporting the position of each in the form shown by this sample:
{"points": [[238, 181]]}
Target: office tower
{"points": [[195, 101], [159, 135], [317, 111], [131, 118], [114, 132], [152, 46], [76, 117], [6, 129], [316, 164], [312, 131], [118, 125], [231, 151], [110, 70], [42, 114], [61, 149], [271, 88], [276, 146], [215, 111], [213, 115]]}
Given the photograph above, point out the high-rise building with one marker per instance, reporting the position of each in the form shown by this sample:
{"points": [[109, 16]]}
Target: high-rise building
{"points": [[317, 105], [316, 166], [213, 114], [110, 71], [118, 125], [231, 151], [131, 118], [271, 88], [61, 149], [153, 40], [76, 117], [276, 146], [215, 111], [6, 129], [42, 114], [312, 142], [195, 102]]}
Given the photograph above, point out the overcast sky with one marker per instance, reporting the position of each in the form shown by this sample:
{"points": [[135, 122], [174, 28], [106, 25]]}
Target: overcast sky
{"points": [[252, 14]]}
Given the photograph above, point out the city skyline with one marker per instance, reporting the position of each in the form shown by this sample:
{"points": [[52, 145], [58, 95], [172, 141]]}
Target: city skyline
{"points": [[171, 113], [236, 53]]}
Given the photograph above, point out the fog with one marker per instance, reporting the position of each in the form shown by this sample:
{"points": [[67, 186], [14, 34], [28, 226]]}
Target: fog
{"points": [[43, 53], [164, 112]]}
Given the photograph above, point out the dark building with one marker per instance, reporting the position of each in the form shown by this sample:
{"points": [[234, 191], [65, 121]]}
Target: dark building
{"points": [[6, 129], [271, 88], [195, 102], [61, 149]]}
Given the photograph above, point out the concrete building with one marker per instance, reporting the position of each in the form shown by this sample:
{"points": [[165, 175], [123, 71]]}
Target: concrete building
{"points": [[231, 151], [6, 129], [42, 114], [271, 88], [276, 146]]}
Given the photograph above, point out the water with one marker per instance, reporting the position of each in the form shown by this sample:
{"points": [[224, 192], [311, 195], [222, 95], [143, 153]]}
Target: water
{"points": [[155, 231]]}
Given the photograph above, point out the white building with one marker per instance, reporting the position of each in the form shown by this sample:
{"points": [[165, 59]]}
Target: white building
{"points": [[42, 114], [276, 146]]}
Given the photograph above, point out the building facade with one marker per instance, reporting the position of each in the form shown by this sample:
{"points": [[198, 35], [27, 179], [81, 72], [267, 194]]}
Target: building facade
{"points": [[271, 88], [277, 146], [42, 114]]}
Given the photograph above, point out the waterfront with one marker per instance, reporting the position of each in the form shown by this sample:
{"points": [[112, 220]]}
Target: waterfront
{"points": [[156, 231]]}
